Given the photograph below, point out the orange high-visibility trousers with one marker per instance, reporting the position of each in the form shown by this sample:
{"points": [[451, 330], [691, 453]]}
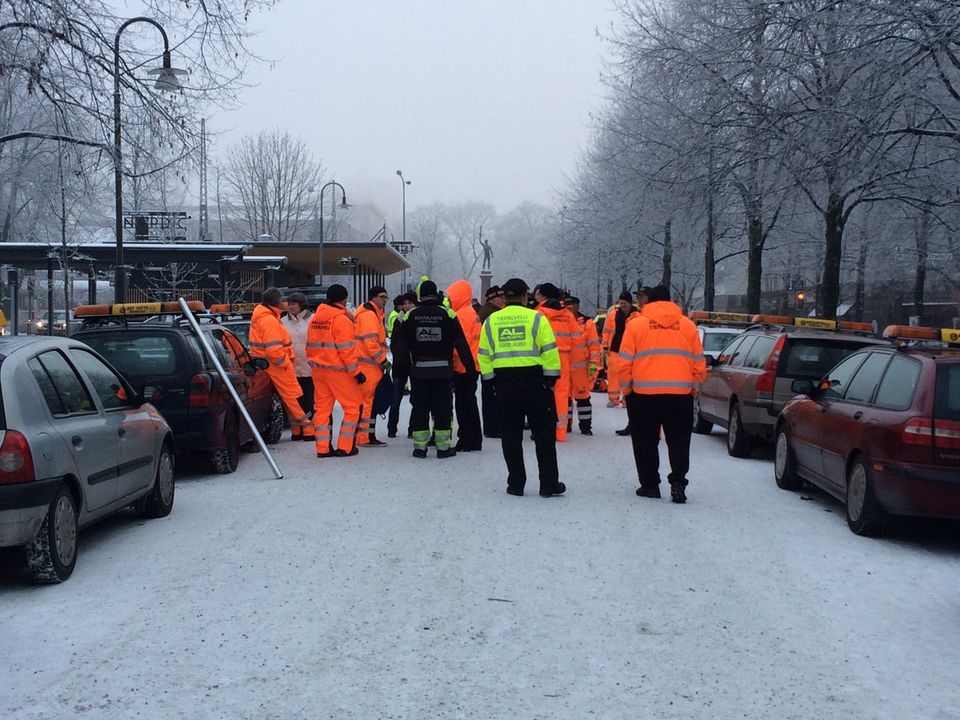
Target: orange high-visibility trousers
{"points": [[367, 391], [615, 368], [329, 387], [561, 396], [284, 381]]}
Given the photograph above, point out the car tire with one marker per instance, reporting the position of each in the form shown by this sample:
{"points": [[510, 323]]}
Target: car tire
{"points": [[159, 501], [700, 426], [52, 554], [225, 460], [784, 464], [739, 444], [865, 516], [276, 423]]}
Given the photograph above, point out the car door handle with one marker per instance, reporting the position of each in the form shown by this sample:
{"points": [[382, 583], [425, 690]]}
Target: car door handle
{"points": [[77, 441], [858, 414]]}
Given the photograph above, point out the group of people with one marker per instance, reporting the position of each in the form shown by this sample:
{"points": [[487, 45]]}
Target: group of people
{"points": [[536, 356]]}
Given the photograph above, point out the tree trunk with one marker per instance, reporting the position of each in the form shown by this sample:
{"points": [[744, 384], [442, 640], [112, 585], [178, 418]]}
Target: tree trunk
{"points": [[754, 257], [922, 237], [709, 252], [861, 282], [667, 254], [829, 296]]}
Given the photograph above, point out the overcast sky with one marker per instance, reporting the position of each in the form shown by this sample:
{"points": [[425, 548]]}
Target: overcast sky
{"points": [[473, 99]]}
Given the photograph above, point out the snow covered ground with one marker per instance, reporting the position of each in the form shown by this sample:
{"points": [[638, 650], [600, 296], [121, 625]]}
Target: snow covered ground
{"points": [[386, 587]]}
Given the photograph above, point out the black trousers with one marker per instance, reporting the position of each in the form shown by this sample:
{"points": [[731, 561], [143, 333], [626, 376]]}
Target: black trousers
{"points": [[522, 396], [429, 396], [306, 400], [399, 383], [469, 433], [584, 414], [491, 410], [647, 414]]}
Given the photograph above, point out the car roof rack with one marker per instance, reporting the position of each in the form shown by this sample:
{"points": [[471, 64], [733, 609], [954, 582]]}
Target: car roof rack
{"points": [[815, 323], [912, 336], [122, 313]]}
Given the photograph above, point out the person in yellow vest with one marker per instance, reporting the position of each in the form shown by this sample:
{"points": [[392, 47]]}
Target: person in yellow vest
{"points": [[518, 352], [269, 339], [371, 336]]}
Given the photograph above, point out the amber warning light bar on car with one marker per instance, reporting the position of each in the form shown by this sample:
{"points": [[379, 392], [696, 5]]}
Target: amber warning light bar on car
{"points": [[125, 309], [814, 323], [951, 336], [232, 308], [720, 318]]}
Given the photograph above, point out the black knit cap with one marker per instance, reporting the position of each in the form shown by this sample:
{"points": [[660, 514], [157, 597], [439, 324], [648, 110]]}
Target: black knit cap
{"points": [[493, 291], [336, 293], [515, 287], [409, 296], [376, 290], [550, 291], [625, 295], [428, 288], [659, 293]]}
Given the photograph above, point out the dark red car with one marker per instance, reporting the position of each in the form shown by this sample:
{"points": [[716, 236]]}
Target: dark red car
{"points": [[881, 432]]}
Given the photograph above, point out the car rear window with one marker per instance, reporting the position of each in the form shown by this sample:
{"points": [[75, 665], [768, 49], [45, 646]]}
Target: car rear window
{"points": [[712, 342], [946, 404], [812, 358], [137, 355], [898, 384]]}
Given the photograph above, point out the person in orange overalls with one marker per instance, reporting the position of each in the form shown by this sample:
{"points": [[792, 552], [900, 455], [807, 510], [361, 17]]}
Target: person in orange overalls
{"points": [[566, 331], [612, 337], [269, 339], [337, 378], [584, 363], [469, 430], [371, 337]]}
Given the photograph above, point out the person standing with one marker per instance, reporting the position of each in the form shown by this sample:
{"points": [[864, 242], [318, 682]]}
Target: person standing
{"points": [[584, 363], [663, 366], [270, 340], [394, 314], [469, 432], [296, 320], [494, 301], [337, 376], [371, 337], [612, 337], [428, 336], [642, 296], [401, 367], [518, 352], [565, 331]]}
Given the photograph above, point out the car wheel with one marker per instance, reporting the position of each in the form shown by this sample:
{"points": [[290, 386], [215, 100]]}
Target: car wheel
{"points": [[784, 464], [864, 514], [739, 443], [226, 459], [159, 501], [52, 554], [700, 426], [276, 423]]}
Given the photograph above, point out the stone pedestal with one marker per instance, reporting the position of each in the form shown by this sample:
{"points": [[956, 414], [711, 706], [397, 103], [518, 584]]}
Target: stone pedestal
{"points": [[485, 283]]}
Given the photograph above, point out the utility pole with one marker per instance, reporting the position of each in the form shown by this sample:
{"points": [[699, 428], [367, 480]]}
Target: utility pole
{"points": [[204, 219]]}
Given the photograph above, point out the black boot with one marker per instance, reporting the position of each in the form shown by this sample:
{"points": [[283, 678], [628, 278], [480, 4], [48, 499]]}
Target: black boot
{"points": [[678, 492], [651, 491], [624, 432]]}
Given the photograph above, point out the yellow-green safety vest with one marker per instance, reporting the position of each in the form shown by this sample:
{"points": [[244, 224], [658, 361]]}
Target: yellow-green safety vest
{"points": [[518, 337]]}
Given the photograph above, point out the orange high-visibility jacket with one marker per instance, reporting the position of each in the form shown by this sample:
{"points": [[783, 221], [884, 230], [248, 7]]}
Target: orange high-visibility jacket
{"points": [[662, 350], [586, 347], [561, 322], [459, 294], [371, 334], [330, 340], [268, 337]]}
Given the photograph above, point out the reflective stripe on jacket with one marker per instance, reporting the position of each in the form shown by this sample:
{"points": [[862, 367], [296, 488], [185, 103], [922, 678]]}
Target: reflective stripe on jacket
{"points": [[330, 340], [564, 326], [586, 347], [518, 337], [662, 350], [371, 335], [268, 337]]}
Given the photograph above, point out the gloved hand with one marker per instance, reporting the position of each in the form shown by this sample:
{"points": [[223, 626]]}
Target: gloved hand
{"points": [[592, 369], [360, 378]]}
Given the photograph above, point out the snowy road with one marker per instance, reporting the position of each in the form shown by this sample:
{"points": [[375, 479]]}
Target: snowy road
{"points": [[419, 589]]}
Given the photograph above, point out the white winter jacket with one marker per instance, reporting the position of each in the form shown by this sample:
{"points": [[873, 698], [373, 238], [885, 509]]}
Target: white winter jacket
{"points": [[297, 326]]}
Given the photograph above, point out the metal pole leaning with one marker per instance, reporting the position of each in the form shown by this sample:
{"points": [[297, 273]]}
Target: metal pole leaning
{"points": [[188, 314]]}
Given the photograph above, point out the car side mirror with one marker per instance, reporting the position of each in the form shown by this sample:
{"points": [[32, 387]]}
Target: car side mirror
{"points": [[803, 387], [149, 394], [253, 364]]}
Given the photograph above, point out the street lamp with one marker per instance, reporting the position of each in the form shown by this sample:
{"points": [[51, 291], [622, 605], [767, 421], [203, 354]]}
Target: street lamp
{"points": [[166, 81], [563, 216], [403, 187], [332, 183]]}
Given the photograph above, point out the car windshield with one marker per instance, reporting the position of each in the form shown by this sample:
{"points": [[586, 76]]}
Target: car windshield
{"points": [[811, 359], [137, 356], [946, 404], [717, 341]]}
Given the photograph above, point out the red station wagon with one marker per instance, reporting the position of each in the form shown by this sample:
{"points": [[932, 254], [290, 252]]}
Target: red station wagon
{"points": [[881, 431]]}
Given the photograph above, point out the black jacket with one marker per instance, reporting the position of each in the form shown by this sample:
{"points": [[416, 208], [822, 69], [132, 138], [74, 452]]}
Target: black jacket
{"points": [[427, 339]]}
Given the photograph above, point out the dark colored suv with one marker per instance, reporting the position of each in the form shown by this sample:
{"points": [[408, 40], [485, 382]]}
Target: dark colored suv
{"points": [[749, 383], [166, 354]]}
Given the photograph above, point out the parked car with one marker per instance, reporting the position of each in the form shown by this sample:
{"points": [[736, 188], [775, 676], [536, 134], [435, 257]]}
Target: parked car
{"points": [[880, 432], [166, 354], [77, 443], [717, 329], [749, 383], [235, 317]]}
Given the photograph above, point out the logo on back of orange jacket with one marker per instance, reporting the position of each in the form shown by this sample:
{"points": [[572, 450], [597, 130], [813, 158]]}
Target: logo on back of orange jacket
{"points": [[511, 334]]}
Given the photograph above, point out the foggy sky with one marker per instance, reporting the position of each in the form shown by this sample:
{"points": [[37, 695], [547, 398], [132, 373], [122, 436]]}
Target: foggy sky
{"points": [[473, 99]]}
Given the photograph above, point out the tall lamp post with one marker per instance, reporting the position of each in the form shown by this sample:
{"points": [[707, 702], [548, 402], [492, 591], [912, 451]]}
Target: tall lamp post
{"points": [[563, 217], [166, 80], [403, 237], [333, 184]]}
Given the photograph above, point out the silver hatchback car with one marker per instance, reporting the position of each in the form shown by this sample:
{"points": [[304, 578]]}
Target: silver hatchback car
{"points": [[76, 444]]}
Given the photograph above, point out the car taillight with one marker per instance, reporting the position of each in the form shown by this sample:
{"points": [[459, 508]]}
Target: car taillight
{"points": [[917, 431], [199, 391], [768, 379], [946, 434], [16, 460]]}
